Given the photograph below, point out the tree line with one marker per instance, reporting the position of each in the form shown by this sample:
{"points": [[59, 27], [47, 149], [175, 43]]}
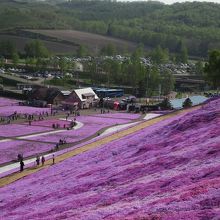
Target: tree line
{"points": [[144, 79], [196, 24]]}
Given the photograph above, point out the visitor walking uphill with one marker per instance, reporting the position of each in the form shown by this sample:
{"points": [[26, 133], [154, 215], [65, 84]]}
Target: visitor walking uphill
{"points": [[38, 160], [21, 165], [42, 160], [53, 159]]}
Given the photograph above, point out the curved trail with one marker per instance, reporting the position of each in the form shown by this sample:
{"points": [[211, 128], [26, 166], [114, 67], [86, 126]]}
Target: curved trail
{"points": [[16, 176]]}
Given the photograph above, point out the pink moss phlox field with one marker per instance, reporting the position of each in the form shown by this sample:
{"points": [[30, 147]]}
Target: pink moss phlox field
{"points": [[119, 115], [13, 130], [8, 102], [9, 110], [90, 127], [168, 171], [50, 122], [10, 149]]}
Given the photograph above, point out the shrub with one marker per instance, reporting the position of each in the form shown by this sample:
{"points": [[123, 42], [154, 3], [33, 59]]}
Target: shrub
{"points": [[165, 104], [187, 103]]}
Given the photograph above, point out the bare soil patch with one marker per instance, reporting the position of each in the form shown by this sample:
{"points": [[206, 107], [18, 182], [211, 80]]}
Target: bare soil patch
{"points": [[93, 41]]}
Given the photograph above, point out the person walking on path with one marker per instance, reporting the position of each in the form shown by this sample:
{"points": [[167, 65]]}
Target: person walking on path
{"points": [[21, 165], [38, 160], [53, 159], [20, 157], [42, 160]]}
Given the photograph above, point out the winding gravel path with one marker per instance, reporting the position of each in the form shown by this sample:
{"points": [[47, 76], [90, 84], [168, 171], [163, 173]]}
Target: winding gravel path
{"points": [[97, 143]]}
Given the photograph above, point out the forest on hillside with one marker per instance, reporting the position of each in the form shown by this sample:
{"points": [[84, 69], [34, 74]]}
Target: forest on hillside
{"points": [[195, 25]]}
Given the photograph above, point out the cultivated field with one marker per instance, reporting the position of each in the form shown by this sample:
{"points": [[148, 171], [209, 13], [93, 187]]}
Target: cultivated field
{"points": [[93, 41], [54, 47]]}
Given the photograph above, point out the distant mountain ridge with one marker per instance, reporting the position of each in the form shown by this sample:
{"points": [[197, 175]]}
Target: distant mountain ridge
{"points": [[196, 24]]}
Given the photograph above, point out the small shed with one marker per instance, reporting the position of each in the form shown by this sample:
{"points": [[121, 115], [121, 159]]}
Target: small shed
{"points": [[50, 95], [78, 67], [172, 95]]}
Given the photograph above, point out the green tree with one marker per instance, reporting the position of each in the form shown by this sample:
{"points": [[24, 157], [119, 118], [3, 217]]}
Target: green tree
{"points": [[212, 68], [167, 82], [36, 49], [109, 50], [199, 68], [54, 62], [92, 69], [139, 52], [81, 51], [165, 104], [15, 58], [142, 88], [41, 64], [30, 62], [182, 51], [2, 61], [7, 49], [154, 81], [160, 55], [63, 65]]}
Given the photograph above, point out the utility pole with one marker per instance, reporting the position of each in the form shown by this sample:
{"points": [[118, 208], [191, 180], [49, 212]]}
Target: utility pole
{"points": [[148, 78], [159, 90]]}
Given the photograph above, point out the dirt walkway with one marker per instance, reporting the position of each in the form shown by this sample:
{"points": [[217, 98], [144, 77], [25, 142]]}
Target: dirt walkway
{"points": [[16, 176]]}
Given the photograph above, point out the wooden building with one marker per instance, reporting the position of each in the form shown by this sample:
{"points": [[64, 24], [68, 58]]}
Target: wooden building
{"points": [[81, 99], [50, 95]]}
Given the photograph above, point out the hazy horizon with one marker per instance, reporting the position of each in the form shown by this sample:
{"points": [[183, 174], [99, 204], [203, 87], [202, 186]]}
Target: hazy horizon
{"points": [[175, 1]]}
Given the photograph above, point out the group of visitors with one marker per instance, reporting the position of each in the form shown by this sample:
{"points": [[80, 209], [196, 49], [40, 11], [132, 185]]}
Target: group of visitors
{"points": [[8, 119], [55, 126], [38, 160], [32, 118], [103, 111], [29, 117], [61, 142], [72, 123], [75, 113]]}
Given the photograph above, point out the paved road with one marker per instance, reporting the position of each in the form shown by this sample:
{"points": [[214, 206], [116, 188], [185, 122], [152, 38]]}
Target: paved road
{"points": [[38, 82]]}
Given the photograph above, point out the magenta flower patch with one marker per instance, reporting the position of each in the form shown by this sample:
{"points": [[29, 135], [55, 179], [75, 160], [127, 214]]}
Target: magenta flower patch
{"points": [[90, 127], [7, 102], [9, 110], [119, 115], [49, 123], [168, 171], [14, 130], [10, 149]]}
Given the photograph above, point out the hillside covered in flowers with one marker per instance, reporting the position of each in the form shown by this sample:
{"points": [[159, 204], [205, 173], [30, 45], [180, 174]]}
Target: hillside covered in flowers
{"points": [[170, 170]]}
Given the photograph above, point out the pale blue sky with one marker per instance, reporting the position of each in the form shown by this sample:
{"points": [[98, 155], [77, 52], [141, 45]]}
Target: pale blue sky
{"points": [[173, 1]]}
